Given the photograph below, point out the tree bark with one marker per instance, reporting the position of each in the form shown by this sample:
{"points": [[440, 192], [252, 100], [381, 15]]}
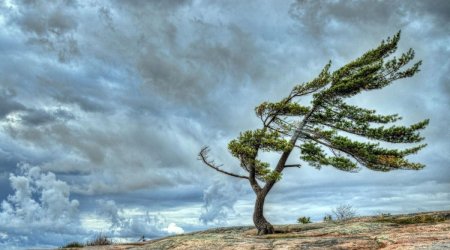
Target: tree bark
{"points": [[263, 226]]}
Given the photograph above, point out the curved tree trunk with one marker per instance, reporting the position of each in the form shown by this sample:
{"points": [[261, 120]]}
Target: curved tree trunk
{"points": [[263, 226]]}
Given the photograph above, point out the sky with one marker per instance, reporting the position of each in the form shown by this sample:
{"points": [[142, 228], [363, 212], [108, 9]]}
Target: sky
{"points": [[104, 106]]}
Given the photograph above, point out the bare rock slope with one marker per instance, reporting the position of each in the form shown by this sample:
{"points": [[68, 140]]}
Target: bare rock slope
{"points": [[413, 231]]}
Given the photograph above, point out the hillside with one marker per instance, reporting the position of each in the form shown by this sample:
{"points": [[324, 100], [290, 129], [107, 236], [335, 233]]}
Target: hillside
{"points": [[413, 231]]}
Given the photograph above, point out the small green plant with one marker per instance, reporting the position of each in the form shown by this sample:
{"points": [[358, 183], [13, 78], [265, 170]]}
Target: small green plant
{"points": [[99, 240], [328, 218], [73, 245], [304, 220]]}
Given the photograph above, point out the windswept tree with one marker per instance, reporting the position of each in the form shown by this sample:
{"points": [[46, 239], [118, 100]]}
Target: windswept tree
{"points": [[329, 131]]}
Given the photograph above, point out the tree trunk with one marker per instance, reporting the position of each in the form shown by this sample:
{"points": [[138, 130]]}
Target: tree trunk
{"points": [[263, 226]]}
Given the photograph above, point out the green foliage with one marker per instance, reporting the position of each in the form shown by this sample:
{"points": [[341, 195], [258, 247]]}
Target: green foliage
{"points": [[73, 245], [249, 142], [322, 129], [280, 108], [304, 220], [329, 131], [337, 110], [372, 155], [273, 176], [312, 153], [328, 218], [319, 82], [247, 145], [333, 118], [369, 72], [358, 121]]}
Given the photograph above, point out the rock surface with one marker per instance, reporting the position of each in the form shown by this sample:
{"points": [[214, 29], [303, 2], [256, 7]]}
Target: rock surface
{"points": [[414, 231]]}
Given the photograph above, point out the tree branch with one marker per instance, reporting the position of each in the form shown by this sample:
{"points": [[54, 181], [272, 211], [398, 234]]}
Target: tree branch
{"points": [[203, 156], [293, 166], [285, 155], [274, 116], [358, 159]]}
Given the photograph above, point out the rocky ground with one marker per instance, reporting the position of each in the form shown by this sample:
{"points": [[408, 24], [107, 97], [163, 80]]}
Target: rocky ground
{"points": [[413, 231]]}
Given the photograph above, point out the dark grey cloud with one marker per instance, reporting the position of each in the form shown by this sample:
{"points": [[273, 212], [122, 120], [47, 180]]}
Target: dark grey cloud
{"points": [[41, 117], [49, 26], [116, 98], [26, 115], [7, 103]]}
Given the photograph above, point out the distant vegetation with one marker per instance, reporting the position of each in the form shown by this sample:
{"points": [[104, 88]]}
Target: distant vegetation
{"points": [[343, 212], [304, 220], [73, 245], [99, 240], [328, 218]]}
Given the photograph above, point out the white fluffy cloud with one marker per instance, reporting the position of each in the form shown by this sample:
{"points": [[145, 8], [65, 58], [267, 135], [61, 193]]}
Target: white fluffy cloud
{"points": [[128, 224], [40, 203], [173, 229]]}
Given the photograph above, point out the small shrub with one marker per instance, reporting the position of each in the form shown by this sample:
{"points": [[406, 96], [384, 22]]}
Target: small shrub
{"points": [[100, 240], [383, 216], [344, 212], [73, 245], [328, 218], [304, 220]]}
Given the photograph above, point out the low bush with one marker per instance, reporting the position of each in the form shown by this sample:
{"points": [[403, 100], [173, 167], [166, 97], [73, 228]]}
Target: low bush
{"points": [[328, 218], [344, 212], [73, 245], [304, 220], [99, 240]]}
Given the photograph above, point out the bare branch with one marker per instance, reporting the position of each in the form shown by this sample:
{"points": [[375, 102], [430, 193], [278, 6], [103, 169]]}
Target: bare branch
{"points": [[203, 156], [293, 166]]}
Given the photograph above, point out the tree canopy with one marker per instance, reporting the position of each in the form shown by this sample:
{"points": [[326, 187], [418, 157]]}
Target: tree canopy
{"points": [[318, 136]]}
